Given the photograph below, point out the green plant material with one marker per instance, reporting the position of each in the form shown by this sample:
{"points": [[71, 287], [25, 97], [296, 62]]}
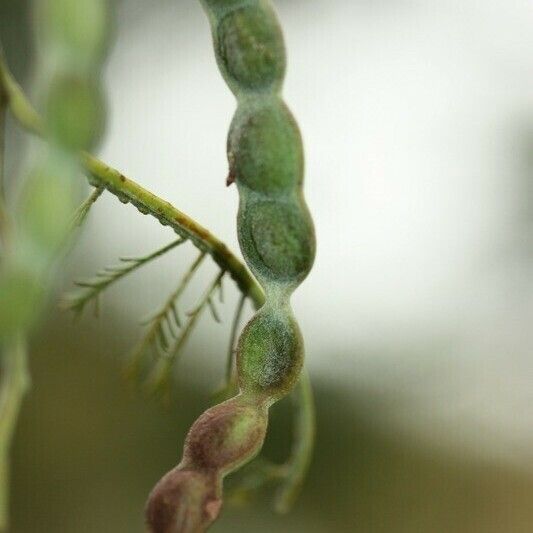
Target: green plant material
{"points": [[21, 297], [3, 108], [76, 32], [15, 383], [85, 207], [277, 240], [93, 288], [233, 337], [270, 353], [127, 190], [248, 44], [296, 467], [164, 325], [47, 203], [17, 101], [113, 180], [261, 148], [289, 476], [104, 177], [36, 232], [253, 478], [75, 112], [159, 378]]}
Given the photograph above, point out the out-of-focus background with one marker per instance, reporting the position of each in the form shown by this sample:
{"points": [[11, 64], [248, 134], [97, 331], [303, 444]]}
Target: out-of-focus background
{"points": [[418, 125]]}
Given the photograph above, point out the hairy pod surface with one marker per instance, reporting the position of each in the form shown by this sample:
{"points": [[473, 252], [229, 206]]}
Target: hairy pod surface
{"points": [[269, 355], [276, 237], [184, 500], [250, 50], [265, 148], [265, 156], [225, 436], [188, 498]]}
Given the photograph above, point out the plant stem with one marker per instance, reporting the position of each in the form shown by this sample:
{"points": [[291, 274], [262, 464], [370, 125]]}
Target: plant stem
{"points": [[15, 383], [3, 107], [101, 175], [233, 337], [168, 215], [85, 207], [302, 444]]}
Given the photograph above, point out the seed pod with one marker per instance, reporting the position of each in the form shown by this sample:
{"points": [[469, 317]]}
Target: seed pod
{"points": [[250, 50], [75, 112], [225, 436], [76, 32], [276, 236], [46, 206], [277, 240], [184, 501], [270, 355], [188, 498], [265, 148]]}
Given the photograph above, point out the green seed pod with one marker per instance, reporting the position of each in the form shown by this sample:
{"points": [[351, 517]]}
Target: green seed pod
{"points": [[270, 354], [265, 148], [76, 30], [225, 436], [47, 202], [249, 49], [21, 297], [217, 9], [277, 240], [276, 237], [75, 111]]}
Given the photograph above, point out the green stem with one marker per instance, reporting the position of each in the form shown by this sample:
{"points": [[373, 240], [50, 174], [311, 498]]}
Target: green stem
{"points": [[83, 210], [133, 366], [147, 202], [295, 469], [3, 106], [92, 289], [159, 376], [102, 175], [15, 378], [3, 213], [232, 339], [15, 383]]}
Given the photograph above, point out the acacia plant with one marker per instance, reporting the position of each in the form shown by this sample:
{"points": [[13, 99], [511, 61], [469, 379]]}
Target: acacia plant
{"points": [[275, 233]]}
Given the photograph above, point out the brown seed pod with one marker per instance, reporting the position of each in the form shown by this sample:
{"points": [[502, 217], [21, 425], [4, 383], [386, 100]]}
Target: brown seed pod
{"points": [[184, 501], [225, 436]]}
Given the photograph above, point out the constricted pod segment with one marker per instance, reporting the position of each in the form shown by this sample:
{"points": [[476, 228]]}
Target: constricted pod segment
{"points": [[276, 237]]}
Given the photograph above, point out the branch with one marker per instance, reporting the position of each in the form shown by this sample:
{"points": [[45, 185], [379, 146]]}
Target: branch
{"points": [[83, 210], [92, 289], [126, 190], [158, 379], [3, 107], [15, 382], [168, 315]]}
